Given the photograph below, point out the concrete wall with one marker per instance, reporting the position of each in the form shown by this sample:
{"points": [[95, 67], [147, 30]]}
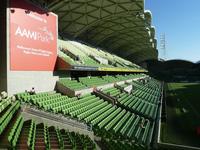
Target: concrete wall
{"points": [[19, 81]]}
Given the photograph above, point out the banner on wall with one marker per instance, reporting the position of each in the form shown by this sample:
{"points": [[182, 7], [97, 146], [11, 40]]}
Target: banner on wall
{"points": [[33, 37]]}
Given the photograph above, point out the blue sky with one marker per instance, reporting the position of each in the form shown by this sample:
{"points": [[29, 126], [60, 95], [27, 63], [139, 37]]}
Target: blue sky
{"points": [[180, 21]]}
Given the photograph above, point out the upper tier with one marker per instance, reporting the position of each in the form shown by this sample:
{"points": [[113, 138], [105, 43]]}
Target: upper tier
{"points": [[79, 56]]}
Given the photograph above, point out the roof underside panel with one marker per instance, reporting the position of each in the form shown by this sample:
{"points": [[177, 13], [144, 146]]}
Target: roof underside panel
{"points": [[122, 27]]}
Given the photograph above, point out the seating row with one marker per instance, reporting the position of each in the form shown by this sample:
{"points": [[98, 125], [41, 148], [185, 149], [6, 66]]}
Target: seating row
{"points": [[87, 82]]}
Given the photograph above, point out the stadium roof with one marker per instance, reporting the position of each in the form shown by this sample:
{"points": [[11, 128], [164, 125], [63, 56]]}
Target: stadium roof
{"points": [[122, 27]]}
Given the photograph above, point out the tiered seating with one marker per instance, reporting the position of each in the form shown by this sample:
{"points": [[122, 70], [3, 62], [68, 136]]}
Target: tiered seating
{"points": [[143, 100], [44, 137], [74, 54], [132, 122], [133, 76], [28, 135], [4, 104], [118, 78], [70, 50], [114, 92], [87, 61], [51, 102], [138, 105], [92, 81], [101, 115], [150, 91], [122, 78], [26, 97], [154, 84], [87, 82], [73, 140], [15, 131], [127, 77], [111, 79], [22, 95], [66, 58], [110, 118], [72, 84], [7, 116], [31, 135], [150, 96], [9, 134]]}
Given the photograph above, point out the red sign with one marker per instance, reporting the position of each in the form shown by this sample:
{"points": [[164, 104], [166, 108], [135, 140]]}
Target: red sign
{"points": [[33, 37]]}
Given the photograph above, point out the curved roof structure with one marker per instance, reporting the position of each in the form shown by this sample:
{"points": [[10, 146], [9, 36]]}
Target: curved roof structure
{"points": [[122, 27]]}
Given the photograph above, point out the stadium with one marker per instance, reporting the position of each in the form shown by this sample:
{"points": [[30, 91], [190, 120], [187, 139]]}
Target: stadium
{"points": [[85, 74]]}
